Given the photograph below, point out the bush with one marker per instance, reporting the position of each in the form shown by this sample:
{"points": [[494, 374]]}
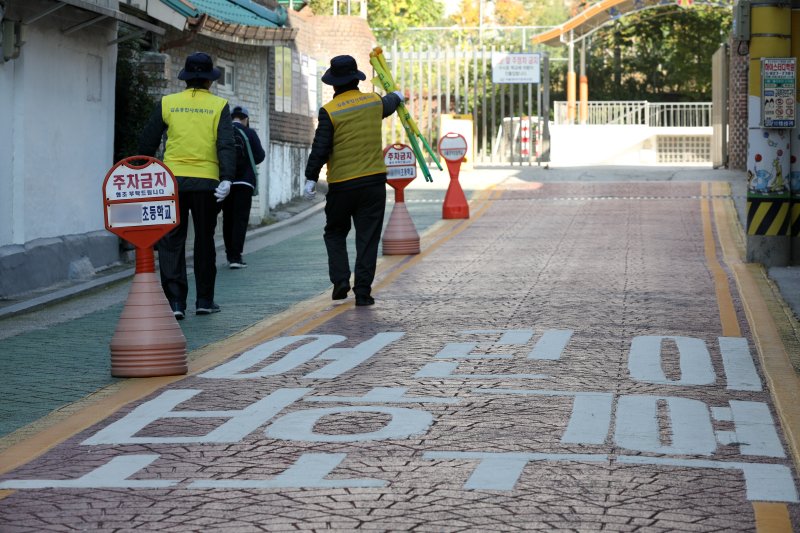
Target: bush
{"points": [[134, 102]]}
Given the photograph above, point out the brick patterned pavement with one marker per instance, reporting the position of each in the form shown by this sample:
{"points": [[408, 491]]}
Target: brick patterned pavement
{"points": [[557, 363]]}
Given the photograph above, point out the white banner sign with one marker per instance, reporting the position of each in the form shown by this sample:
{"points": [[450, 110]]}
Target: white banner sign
{"points": [[515, 68]]}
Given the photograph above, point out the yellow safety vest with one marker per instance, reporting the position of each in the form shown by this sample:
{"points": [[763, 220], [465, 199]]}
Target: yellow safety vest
{"points": [[357, 149], [192, 117]]}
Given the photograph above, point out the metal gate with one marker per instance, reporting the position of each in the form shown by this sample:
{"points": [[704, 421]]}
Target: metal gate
{"points": [[508, 121]]}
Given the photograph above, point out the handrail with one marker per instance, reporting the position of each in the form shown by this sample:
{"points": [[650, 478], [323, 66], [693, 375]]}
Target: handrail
{"points": [[641, 113]]}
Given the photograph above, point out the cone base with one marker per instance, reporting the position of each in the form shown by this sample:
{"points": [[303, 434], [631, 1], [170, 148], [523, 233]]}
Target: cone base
{"points": [[455, 212], [401, 247], [148, 341], [400, 236], [455, 202]]}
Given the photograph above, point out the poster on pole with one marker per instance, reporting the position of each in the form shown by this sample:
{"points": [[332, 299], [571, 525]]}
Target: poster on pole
{"points": [[778, 86], [515, 68]]}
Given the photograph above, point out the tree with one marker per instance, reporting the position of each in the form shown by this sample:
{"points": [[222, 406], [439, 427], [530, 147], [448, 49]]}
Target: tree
{"points": [[498, 13], [390, 19], [133, 102], [657, 55]]}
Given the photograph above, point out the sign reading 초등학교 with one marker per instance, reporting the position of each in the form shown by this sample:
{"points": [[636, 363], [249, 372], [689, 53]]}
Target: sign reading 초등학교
{"points": [[778, 86], [515, 68]]}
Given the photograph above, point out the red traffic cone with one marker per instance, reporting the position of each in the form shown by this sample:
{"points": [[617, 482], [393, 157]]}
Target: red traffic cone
{"points": [[455, 202]]}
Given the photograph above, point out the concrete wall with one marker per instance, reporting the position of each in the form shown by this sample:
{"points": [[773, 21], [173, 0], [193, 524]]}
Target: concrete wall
{"points": [[619, 145], [287, 165], [56, 144], [291, 134], [57, 106]]}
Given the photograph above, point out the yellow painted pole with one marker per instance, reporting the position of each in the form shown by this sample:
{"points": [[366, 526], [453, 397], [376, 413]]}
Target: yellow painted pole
{"points": [[378, 61], [583, 87], [571, 81], [387, 82], [378, 51], [768, 151]]}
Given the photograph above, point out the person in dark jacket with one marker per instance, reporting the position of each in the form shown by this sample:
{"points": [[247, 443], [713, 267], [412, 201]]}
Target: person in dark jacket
{"points": [[236, 207], [200, 153], [348, 140]]}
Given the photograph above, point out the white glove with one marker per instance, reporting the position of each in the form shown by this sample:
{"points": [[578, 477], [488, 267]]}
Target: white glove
{"points": [[222, 190], [309, 191], [400, 94]]}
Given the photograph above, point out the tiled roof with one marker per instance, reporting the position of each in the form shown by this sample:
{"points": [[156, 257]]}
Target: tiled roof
{"points": [[241, 12]]}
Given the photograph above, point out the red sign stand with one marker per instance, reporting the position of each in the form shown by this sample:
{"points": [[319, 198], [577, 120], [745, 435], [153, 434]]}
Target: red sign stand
{"points": [[400, 236], [141, 206], [453, 148]]}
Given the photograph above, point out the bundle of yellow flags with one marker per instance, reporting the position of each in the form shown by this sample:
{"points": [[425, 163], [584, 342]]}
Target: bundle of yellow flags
{"points": [[385, 80]]}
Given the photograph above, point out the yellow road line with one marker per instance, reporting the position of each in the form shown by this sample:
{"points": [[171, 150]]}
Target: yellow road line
{"points": [[772, 517], [727, 312], [781, 377], [300, 318]]}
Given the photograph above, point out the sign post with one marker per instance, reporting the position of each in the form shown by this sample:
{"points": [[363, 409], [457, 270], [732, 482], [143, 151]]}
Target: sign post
{"points": [[400, 236], [141, 206], [453, 148]]}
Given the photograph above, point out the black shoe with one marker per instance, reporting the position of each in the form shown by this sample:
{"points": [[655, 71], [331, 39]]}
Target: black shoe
{"points": [[235, 265], [364, 300], [340, 290], [207, 309], [178, 310]]}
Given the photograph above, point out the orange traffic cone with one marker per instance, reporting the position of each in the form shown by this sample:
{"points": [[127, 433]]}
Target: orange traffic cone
{"points": [[455, 202], [148, 341]]}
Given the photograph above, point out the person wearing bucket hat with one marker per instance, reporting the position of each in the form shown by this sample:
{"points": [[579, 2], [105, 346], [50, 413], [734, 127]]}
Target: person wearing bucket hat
{"points": [[348, 140], [236, 207], [200, 152], [199, 66]]}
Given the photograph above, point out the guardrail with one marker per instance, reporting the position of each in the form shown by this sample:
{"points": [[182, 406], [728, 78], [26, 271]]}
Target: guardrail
{"points": [[641, 113]]}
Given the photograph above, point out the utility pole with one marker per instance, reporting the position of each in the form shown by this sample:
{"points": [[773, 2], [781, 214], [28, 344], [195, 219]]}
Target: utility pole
{"points": [[768, 144]]}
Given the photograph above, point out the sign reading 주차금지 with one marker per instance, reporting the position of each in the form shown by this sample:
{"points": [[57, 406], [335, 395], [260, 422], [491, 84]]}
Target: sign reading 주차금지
{"points": [[400, 162], [141, 201], [778, 86], [515, 68]]}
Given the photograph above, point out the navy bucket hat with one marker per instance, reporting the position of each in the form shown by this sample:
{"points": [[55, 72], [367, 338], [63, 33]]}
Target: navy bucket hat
{"points": [[199, 66], [343, 70], [240, 111]]}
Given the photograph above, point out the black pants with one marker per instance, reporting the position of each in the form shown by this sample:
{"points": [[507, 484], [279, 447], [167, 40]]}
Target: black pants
{"points": [[365, 206], [235, 216], [172, 250]]}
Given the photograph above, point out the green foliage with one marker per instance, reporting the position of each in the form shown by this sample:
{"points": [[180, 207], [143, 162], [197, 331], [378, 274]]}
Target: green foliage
{"points": [[546, 12], [390, 19], [657, 55], [133, 100], [513, 14], [394, 17]]}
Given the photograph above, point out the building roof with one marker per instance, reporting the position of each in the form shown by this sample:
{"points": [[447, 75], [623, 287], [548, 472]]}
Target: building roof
{"points": [[234, 12]]}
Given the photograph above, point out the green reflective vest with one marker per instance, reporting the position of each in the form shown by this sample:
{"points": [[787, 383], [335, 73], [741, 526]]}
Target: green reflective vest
{"points": [[192, 117], [357, 149]]}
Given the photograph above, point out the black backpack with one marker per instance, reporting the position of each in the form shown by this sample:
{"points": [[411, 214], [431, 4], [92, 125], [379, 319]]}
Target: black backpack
{"points": [[243, 156]]}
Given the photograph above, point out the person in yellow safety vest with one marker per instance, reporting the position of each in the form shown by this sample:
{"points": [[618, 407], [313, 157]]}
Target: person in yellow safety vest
{"points": [[348, 140], [201, 153]]}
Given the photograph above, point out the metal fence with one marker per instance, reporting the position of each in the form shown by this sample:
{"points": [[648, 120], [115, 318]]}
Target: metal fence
{"points": [[642, 113], [446, 83]]}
